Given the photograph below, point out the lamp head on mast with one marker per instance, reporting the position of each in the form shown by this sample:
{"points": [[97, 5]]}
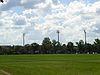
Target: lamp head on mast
{"points": [[58, 31], [1, 1]]}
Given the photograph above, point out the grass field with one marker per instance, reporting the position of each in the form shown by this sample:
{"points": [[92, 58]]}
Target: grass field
{"points": [[60, 64]]}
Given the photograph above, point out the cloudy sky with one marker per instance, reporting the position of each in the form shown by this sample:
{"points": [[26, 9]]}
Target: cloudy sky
{"points": [[41, 18]]}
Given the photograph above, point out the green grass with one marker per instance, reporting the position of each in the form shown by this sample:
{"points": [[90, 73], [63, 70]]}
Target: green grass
{"points": [[47, 64]]}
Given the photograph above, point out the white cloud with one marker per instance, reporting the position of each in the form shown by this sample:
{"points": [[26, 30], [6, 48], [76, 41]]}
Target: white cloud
{"points": [[40, 18], [19, 20]]}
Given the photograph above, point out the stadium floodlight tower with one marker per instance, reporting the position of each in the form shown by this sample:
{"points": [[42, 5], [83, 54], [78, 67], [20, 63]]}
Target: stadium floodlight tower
{"points": [[23, 39], [58, 35], [85, 36]]}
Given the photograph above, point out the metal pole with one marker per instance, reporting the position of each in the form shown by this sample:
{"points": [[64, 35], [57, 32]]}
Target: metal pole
{"points": [[23, 39], [85, 36], [58, 35]]}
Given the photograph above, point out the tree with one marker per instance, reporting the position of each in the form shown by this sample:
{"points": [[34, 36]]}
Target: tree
{"points": [[80, 46], [97, 45], [35, 48], [70, 47], [56, 47], [59, 48], [89, 48], [17, 49], [46, 45], [54, 44], [1, 50], [27, 48], [64, 48]]}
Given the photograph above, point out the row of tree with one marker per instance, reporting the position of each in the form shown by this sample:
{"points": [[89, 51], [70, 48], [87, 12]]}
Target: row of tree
{"points": [[53, 47]]}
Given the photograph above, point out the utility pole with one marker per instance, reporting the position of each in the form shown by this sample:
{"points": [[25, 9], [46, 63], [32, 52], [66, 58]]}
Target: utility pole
{"points": [[23, 39], [58, 35], [85, 36]]}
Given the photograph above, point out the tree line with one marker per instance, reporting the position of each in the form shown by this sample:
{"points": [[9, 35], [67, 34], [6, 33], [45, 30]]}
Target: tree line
{"points": [[53, 47]]}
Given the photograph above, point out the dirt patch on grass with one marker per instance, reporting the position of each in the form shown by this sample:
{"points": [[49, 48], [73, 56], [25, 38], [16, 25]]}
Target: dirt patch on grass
{"points": [[5, 72]]}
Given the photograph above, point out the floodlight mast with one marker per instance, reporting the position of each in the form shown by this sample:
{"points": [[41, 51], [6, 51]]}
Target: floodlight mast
{"points": [[58, 35], [23, 39], [85, 36]]}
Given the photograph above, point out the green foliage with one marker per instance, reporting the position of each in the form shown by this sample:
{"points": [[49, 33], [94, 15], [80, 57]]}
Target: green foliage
{"points": [[97, 45], [70, 47], [53, 47], [80, 46], [46, 45]]}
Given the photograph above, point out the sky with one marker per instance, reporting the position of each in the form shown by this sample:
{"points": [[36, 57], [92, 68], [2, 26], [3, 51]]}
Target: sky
{"points": [[42, 18]]}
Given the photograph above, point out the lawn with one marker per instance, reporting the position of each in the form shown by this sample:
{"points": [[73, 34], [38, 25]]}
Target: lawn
{"points": [[50, 64]]}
